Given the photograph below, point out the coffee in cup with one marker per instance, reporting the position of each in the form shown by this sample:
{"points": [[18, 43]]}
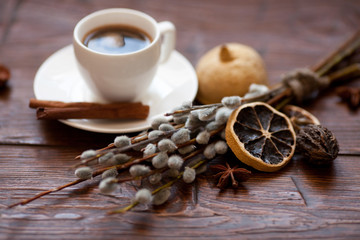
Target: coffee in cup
{"points": [[116, 39], [118, 71]]}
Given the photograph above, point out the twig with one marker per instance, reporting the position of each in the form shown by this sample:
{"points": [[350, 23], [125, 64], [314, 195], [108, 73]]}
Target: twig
{"points": [[161, 170], [112, 145], [262, 97], [126, 148], [334, 58], [197, 107], [344, 72], [166, 185], [39, 195], [285, 93], [46, 193], [118, 167], [136, 139]]}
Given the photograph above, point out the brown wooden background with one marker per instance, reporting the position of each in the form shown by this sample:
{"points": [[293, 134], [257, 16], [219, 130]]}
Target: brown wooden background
{"points": [[296, 202]]}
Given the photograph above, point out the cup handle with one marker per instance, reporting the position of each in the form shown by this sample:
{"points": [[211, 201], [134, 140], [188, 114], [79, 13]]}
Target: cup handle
{"points": [[167, 34]]}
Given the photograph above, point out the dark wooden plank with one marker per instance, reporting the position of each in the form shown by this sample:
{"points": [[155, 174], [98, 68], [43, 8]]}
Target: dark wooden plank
{"points": [[268, 36], [8, 11], [297, 200]]}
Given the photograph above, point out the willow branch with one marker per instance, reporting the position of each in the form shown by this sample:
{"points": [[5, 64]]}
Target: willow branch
{"points": [[166, 185], [346, 49]]}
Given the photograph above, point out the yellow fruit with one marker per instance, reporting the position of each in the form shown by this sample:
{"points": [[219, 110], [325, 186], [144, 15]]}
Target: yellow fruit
{"points": [[228, 70], [260, 136]]}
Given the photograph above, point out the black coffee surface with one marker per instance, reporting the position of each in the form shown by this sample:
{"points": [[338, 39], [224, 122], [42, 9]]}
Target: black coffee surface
{"points": [[116, 40]]}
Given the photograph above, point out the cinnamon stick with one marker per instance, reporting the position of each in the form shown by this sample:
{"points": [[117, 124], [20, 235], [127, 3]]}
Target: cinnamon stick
{"points": [[35, 103], [86, 110]]}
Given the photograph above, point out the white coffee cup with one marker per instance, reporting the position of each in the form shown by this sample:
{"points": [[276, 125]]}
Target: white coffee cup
{"points": [[122, 77]]}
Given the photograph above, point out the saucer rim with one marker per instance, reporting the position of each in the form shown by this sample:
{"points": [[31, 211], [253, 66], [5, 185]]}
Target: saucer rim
{"points": [[76, 123]]}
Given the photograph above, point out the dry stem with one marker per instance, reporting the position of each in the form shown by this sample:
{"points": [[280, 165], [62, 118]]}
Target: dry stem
{"points": [[118, 167], [166, 185], [346, 49]]}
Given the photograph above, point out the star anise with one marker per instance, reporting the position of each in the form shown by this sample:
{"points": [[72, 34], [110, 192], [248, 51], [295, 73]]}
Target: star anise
{"points": [[350, 95], [225, 173]]}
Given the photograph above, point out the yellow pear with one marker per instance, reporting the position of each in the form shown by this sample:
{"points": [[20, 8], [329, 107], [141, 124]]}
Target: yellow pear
{"points": [[228, 70]]}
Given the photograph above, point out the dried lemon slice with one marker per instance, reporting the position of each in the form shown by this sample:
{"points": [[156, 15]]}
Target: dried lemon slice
{"points": [[299, 117], [260, 136]]}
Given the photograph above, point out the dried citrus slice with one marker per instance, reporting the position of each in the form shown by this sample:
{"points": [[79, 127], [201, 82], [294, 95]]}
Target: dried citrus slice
{"points": [[299, 117], [260, 136]]}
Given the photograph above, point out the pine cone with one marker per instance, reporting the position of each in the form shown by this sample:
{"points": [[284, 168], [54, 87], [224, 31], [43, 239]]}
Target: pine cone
{"points": [[317, 144]]}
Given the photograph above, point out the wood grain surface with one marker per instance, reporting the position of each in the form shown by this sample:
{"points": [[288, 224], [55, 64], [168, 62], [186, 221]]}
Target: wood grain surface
{"points": [[297, 202]]}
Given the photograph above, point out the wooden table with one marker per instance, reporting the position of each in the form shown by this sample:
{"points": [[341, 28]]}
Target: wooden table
{"points": [[299, 201]]}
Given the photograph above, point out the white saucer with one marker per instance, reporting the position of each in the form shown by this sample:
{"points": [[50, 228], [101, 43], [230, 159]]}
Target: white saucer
{"points": [[58, 79]]}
